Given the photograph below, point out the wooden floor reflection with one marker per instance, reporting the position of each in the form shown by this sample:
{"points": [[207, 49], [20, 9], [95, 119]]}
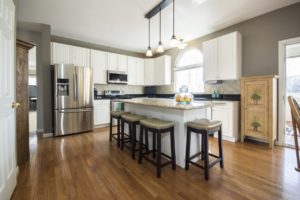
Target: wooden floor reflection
{"points": [[86, 166]]}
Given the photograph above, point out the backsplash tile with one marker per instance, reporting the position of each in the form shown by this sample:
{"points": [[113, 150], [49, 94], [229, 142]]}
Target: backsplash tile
{"points": [[128, 89]]}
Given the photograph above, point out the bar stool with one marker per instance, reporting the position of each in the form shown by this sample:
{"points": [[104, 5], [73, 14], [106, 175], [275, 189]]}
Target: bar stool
{"points": [[157, 127], [132, 120], [115, 115], [206, 128]]}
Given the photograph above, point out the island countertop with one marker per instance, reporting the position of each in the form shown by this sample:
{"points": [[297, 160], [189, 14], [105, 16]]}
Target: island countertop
{"points": [[169, 103]]}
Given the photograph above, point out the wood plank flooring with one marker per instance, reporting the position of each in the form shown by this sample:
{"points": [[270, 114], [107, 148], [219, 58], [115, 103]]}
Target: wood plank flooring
{"points": [[86, 166]]}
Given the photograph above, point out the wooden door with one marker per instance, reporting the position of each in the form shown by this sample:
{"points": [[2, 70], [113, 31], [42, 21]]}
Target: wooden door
{"points": [[22, 98], [8, 167]]}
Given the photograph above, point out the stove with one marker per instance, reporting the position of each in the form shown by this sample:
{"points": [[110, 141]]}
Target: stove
{"points": [[115, 94]]}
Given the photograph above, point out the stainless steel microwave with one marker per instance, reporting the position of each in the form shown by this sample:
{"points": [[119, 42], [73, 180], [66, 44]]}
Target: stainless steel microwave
{"points": [[118, 77]]}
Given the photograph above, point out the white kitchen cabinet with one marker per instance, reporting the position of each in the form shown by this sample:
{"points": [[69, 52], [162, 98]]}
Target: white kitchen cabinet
{"points": [[61, 53], [140, 71], [101, 112], [162, 70], [117, 62], [122, 63], [210, 52], [222, 57], [99, 65], [132, 72], [229, 115], [149, 72], [68, 54], [112, 61], [80, 56]]}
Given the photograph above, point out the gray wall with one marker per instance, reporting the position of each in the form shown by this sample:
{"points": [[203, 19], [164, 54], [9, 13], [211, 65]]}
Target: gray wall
{"points": [[39, 34], [94, 46], [260, 39]]}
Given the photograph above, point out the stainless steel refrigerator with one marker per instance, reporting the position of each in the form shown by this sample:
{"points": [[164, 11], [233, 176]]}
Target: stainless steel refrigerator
{"points": [[73, 99]]}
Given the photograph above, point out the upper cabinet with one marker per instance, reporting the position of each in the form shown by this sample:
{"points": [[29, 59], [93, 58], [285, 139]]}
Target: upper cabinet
{"points": [[149, 71], [117, 62], [61, 53], [158, 71], [99, 65], [68, 54], [135, 71], [222, 57], [162, 70]]}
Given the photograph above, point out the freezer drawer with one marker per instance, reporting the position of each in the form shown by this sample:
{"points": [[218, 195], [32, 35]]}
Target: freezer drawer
{"points": [[73, 121]]}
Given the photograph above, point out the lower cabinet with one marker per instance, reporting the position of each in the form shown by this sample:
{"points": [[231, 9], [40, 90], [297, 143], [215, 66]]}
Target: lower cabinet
{"points": [[229, 115], [101, 112]]}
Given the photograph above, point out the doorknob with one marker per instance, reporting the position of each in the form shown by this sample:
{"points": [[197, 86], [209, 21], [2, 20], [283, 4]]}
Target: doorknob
{"points": [[15, 105]]}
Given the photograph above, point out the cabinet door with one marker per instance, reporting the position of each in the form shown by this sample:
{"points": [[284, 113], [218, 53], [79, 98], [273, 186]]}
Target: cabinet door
{"points": [[99, 64], [61, 53], [149, 71], [225, 116], [140, 80], [112, 61], [81, 56], [226, 57], [256, 94], [122, 63], [159, 71], [210, 60], [132, 72], [256, 123], [102, 113]]}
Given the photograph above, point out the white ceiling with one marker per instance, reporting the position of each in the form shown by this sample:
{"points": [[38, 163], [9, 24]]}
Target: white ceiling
{"points": [[121, 23]]}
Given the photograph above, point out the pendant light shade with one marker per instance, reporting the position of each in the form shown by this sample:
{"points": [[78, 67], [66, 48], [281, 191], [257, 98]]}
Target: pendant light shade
{"points": [[160, 48], [182, 44], [174, 42], [149, 51]]}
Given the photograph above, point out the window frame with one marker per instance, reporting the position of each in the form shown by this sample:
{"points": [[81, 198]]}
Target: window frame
{"points": [[186, 67]]}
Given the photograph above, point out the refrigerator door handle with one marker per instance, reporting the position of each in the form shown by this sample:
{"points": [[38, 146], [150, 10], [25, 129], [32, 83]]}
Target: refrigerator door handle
{"points": [[75, 87]]}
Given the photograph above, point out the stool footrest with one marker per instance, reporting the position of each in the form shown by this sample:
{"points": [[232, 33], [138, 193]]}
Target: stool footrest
{"points": [[210, 164], [154, 163]]}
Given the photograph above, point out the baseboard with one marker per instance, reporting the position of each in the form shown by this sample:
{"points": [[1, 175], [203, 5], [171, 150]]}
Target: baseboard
{"points": [[101, 126], [46, 135]]}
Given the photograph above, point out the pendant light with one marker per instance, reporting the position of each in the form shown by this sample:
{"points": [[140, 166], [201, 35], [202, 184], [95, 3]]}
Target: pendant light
{"points": [[149, 51], [182, 44], [174, 42], [160, 48]]}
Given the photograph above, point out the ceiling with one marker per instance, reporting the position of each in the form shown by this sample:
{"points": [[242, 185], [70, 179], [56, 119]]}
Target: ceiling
{"points": [[121, 23]]}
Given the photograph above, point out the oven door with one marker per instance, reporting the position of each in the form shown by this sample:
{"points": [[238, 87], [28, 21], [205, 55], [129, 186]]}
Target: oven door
{"points": [[116, 77]]}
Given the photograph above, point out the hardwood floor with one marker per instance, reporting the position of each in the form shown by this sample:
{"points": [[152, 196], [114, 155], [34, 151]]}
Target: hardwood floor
{"points": [[87, 166]]}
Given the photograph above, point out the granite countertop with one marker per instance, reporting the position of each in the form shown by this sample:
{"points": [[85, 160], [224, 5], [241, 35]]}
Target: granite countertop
{"points": [[168, 103]]}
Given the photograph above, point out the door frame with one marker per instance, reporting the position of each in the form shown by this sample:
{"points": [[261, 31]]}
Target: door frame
{"points": [[282, 84]]}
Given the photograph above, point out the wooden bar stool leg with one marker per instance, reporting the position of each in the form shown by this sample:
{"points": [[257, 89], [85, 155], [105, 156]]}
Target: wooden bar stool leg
{"points": [[122, 134], [202, 147], [187, 151], [141, 144], [173, 149], [133, 141], [220, 147], [158, 159], [147, 141], [154, 145], [110, 129], [118, 132], [206, 159]]}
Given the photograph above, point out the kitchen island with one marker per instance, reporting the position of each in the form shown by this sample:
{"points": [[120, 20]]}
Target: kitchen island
{"points": [[167, 109]]}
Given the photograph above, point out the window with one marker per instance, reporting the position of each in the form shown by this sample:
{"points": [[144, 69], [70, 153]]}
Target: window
{"points": [[189, 70]]}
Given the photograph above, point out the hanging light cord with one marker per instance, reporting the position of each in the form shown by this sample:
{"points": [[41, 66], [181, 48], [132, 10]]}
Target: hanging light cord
{"points": [[160, 25], [149, 32], [173, 17]]}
